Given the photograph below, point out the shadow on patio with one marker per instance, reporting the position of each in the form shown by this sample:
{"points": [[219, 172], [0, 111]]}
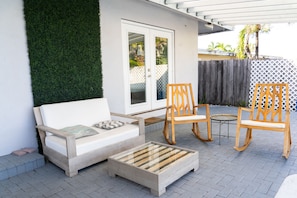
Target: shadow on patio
{"points": [[223, 172]]}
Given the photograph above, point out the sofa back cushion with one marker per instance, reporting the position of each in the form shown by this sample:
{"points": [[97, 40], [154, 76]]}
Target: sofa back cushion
{"points": [[83, 112]]}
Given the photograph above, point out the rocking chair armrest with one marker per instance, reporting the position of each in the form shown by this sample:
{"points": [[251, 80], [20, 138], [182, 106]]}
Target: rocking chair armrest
{"points": [[245, 109], [196, 107], [206, 106], [241, 109], [69, 138], [201, 105]]}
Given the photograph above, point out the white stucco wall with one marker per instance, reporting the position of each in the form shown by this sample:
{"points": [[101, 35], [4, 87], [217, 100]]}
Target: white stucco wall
{"points": [[186, 36], [16, 117], [16, 101]]}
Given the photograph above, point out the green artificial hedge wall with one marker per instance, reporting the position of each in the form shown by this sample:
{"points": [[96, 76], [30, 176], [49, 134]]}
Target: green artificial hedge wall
{"points": [[64, 49]]}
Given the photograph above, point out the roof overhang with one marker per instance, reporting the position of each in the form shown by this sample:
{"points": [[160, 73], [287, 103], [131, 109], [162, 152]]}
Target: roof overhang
{"points": [[222, 15]]}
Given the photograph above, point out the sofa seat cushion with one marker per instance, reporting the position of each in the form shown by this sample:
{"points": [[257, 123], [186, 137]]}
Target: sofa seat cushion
{"points": [[91, 143]]}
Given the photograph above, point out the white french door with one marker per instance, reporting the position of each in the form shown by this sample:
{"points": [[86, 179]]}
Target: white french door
{"points": [[148, 66]]}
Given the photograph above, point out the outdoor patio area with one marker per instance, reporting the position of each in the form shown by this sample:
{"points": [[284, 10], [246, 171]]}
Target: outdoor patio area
{"points": [[223, 172]]}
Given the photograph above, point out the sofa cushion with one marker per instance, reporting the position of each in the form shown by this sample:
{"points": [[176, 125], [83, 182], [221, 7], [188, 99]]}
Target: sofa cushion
{"points": [[109, 124], [83, 112], [80, 131], [91, 143]]}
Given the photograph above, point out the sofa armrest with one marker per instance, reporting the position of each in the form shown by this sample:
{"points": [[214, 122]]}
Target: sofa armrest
{"points": [[69, 138], [139, 119], [54, 131]]}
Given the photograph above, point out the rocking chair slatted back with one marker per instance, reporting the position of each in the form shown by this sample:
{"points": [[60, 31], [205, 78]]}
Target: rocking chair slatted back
{"points": [[268, 99], [180, 98]]}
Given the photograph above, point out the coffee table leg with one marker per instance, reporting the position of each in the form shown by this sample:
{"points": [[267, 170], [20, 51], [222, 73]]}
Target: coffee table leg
{"points": [[158, 192], [196, 167], [111, 173]]}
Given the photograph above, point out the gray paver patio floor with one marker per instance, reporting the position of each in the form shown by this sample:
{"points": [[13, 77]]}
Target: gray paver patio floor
{"points": [[223, 172]]}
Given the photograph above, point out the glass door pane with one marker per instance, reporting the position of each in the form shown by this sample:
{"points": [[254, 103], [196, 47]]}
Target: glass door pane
{"points": [[148, 66], [137, 68], [161, 67]]}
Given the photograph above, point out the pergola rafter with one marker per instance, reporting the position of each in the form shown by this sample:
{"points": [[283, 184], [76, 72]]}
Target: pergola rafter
{"points": [[228, 13]]}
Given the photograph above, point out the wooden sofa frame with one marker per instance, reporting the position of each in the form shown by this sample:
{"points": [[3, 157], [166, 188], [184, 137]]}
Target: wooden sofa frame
{"points": [[72, 162]]}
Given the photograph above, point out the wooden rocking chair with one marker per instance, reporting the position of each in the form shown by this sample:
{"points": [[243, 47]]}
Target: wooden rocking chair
{"points": [[266, 114], [181, 109]]}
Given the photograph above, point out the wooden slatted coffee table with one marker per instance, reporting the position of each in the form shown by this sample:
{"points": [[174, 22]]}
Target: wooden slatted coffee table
{"points": [[154, 165]]}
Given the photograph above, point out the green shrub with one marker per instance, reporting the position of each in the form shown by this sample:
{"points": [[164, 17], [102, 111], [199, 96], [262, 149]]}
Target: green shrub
{"points": [[64, 49], [242, 104]]}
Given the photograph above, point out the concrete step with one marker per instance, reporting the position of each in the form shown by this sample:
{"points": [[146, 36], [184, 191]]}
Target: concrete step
{"points": [[12, 165]]}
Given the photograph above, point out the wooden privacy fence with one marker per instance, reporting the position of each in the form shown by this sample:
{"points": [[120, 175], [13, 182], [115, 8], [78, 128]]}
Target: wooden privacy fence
{"points": [[224, 82]]}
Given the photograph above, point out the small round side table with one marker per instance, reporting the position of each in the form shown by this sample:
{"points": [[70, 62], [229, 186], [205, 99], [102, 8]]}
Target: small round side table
{"points": [[223, 119]]}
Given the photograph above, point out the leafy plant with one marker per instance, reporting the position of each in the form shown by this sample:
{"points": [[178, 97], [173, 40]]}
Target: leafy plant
{"points": [[220, 47], [202, 101], [64, 49], [245, 49], [242, 104]]}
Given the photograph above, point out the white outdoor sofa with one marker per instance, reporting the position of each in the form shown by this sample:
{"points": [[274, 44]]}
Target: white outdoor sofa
{"points": [[71, 154]]}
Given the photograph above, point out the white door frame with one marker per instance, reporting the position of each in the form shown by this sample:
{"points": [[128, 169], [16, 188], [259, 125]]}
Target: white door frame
{"points": [[150, 33]]}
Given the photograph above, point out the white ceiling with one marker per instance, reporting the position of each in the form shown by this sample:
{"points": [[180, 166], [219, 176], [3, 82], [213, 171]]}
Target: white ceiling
{"points": [[224, 14]]}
